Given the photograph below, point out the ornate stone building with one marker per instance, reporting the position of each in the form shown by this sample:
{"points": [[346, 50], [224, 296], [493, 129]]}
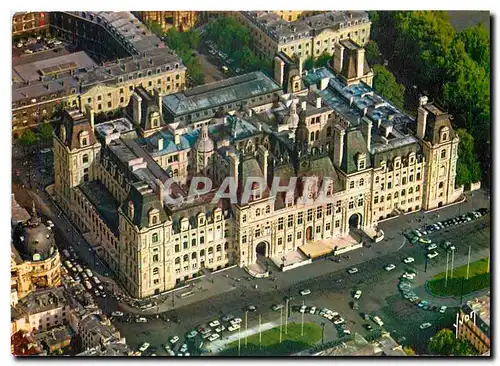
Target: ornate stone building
{"points": [[181, 20], [126, 55], [35, 262], [154, 192], [309, 36]]}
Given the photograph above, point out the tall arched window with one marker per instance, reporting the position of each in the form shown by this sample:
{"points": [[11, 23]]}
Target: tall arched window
{"points": [[156, 271], [178, 260], [185, 258], [193, 256], [202, 253], [219, 248], [155, 238]]}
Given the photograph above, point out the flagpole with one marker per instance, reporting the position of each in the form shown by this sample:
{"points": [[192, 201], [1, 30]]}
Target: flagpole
{"points": [[281, 323], [286, 317], [302, 327], [260, 332], [446, 276], [246, 328], [239, 340], [452, 262], [468, 263]]}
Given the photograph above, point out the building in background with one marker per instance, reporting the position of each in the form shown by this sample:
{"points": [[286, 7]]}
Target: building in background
{"points": [[35, 261], [125, 54], [306, 37], [473, 323], [30, 23], [181, 20]]}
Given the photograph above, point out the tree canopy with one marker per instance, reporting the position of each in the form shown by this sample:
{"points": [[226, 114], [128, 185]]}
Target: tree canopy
{"points": [[451, 67], [323, 59], [386, 85], [373, 54], [444, 343], [45, 132], [468, 167]]}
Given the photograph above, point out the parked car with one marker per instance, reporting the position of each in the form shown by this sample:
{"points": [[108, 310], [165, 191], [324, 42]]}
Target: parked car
{"points": [[368, 327], [312, 310], [378, 321], [425, 325], [432, 255], [141, 320], [232, 328], [251, 308], [213, 337], [432, 246], [144, 347], [214, 323], [355, 305], [424, 241], [192, 334], [303, 309], [442, 309], [235, 321], [353, 270], [390, 267], [358, 294], [174, 339], [220, 328], [305, 292], [117, 314], [276, 307], [409, 260], [338, 321]]}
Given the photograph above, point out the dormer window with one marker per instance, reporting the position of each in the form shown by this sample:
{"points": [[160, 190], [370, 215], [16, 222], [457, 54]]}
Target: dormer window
{"points": [[154, 217], [130, 209], [361, 161], [443, 134], [84, 138]]}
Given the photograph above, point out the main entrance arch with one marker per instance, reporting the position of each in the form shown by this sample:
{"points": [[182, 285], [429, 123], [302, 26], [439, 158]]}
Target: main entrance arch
{"points": [[355, 221], [261, 249]]}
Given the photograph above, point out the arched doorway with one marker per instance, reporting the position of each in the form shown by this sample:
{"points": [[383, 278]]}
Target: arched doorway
{"points": [[355, 221], [309, 233], [261, 249]]}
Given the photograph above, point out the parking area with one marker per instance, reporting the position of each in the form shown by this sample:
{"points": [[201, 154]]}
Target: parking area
{"points": [[220, 59]]}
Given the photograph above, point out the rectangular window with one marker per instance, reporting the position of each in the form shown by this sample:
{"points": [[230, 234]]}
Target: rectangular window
{"points": [[309, 214], [319, 212], [289, 238], [257, 233], [290, 221], [351, 205], [338, 206], [299, 235], [337, 224], [280, 223], [300, 218], [327, 227], [244, 239], [328, 209]]}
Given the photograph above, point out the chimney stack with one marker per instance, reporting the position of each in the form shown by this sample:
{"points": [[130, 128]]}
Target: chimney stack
{"points": [[90, 115], [279, 70], [421, 122], [338, 58], [323, 84], [177, 138], [159, 190], [318, 102], [160, 144], [303, 105], [360, 62]]}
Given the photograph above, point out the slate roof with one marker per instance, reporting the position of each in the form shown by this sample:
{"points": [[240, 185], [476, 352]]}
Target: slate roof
{"points": [[144, 199], [354, 144], [218, 93], [321, 167], [75, 122], [436, 119], [103, 201]]}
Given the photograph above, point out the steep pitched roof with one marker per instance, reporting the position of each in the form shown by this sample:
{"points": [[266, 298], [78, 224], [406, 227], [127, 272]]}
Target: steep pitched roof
{"points": [[354, 144]]}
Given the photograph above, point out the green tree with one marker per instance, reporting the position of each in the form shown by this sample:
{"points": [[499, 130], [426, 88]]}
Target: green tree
{"points": [[468, 167], [28, 139], [373, 54], [477, 44], [386, 85], [308, 63], [45, 133], [463, 348], [442, 342], [409, 351], [323, 59]]}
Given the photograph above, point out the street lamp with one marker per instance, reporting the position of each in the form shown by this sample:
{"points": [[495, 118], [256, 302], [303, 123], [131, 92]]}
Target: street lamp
{"points": [[323, 333]]}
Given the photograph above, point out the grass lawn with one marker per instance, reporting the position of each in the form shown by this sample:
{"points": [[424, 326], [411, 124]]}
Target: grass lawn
{"points": [[478, 280], [271, 346]]}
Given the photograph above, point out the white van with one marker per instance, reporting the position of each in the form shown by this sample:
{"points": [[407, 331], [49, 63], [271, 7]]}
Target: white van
{"points": [[378, 321]]}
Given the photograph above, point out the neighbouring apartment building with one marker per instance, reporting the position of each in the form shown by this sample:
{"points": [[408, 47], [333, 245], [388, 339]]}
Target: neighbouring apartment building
{"points": [[181, 20], [309, 36], [473, 323], [128, 54], [370, 160], [33, 22]]}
